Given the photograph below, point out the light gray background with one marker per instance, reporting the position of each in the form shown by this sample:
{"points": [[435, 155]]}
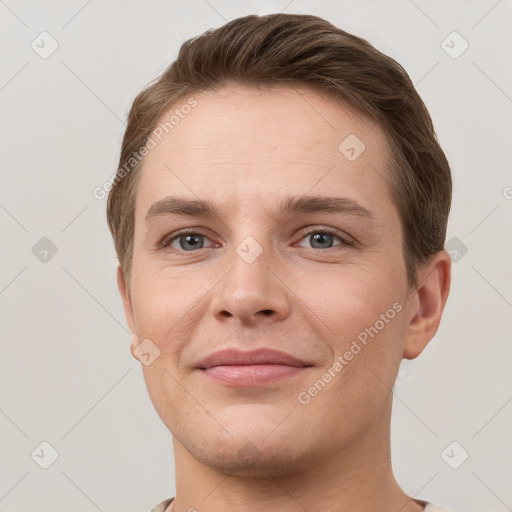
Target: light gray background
{"points": [[66, 374]]}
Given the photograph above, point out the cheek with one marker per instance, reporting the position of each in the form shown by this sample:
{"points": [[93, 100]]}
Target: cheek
{"points": [[162, 308], [366, 333], [165, 304], [346, 300], [360, 316], [166, 309]]}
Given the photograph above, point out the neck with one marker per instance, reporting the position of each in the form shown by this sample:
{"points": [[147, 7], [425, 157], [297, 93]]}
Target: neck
{"points": [[356, 479]]}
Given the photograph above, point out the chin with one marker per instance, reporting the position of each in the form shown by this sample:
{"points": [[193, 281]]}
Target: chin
{"points": [[249, 461]]}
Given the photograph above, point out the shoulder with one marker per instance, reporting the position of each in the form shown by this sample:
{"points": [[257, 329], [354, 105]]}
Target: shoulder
{"points": [[162, 505], [436, 508]]}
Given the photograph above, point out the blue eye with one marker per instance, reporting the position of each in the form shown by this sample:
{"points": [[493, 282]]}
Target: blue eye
{"points": [[321, 240], [324, 239], [187, 241]]}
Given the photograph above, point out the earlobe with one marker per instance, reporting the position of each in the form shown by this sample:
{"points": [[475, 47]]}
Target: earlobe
{"points": [[426, 304], [134, 342]]}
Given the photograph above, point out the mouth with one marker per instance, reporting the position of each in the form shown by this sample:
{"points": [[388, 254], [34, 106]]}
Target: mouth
{"points": [[233, 367]]}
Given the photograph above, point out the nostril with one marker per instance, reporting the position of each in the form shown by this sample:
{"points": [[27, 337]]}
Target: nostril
{"points": [[267, 311]]}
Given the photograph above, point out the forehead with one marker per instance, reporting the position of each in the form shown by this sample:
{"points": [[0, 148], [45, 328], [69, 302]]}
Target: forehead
{"points": [[252, 144]]}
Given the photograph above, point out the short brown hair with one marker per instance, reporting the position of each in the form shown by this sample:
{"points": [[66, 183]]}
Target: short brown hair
{"points": [[301, 49]]}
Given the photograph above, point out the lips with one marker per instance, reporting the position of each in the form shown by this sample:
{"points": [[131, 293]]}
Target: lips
{"points": [[238, 368], [262, 356]]}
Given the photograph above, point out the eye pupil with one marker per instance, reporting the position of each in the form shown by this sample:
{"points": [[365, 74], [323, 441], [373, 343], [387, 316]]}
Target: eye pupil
{"points": [[191, 240], [320, 238]]}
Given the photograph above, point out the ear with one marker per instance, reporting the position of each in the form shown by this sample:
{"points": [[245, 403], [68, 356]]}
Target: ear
{"points": [[426, 304], [128, 309]]}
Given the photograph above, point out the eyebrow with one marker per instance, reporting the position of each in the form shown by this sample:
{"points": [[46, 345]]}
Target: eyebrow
{"points": [[173, 205]]}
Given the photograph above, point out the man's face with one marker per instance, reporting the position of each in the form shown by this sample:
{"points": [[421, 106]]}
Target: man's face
{"points": [[318, 285]]}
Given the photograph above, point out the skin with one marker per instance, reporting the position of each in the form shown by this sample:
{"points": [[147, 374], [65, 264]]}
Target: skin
{"points": [[245, 149]]}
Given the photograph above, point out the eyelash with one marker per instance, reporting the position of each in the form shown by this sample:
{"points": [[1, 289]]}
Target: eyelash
{"points": [[345, 240]]}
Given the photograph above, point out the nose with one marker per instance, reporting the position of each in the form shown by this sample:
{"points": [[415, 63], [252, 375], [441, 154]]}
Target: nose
{"points": [[251, 292]]}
